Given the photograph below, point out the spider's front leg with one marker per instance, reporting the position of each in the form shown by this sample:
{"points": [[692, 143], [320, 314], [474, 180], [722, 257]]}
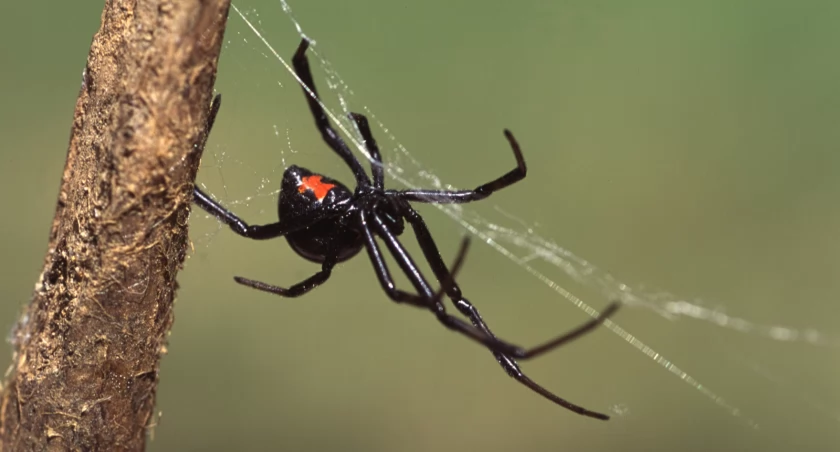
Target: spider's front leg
{"points": [[505, 359], [382, 272], [482, 191], [427, 298]]}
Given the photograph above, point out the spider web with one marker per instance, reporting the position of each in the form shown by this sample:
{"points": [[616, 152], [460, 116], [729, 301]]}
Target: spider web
{"points": [[520, 241]]}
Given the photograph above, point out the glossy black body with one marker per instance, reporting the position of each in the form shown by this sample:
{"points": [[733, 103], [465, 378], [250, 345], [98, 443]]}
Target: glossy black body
{"points": [[313, 242], [325, 222]]}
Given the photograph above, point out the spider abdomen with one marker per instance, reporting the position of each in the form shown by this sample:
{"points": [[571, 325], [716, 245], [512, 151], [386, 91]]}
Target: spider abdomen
{"points": [[304, 193], [314, 242], [307, 194]]}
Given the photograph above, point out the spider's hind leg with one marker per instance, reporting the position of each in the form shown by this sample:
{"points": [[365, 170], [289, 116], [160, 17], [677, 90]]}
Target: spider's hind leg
{"points": [[213, 207]]}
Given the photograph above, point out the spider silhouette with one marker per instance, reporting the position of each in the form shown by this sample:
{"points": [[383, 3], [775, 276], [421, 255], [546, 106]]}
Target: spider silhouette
{"points": [[325, 222]]}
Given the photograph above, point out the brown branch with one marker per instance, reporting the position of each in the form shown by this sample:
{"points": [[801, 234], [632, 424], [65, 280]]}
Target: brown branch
{"points": [[88, 347]]}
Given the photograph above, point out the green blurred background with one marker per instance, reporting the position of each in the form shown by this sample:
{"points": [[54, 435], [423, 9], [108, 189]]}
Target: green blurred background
{"points": [[682, 146]]}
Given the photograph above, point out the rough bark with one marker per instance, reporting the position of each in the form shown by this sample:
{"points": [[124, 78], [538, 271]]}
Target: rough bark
{"points": [[87, 348]]}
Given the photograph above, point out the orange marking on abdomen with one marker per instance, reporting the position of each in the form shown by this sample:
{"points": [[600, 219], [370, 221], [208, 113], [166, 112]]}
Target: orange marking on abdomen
{"points": [[318, 188]]}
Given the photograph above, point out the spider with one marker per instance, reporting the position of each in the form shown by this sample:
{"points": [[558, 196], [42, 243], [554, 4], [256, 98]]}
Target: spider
{"points": [[327, 223]]}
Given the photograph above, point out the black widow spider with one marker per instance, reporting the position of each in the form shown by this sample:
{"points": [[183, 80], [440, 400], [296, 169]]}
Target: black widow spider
{"points": [[327, 223]]}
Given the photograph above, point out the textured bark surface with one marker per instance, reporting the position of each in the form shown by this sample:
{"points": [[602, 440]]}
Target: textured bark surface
{"points": [[87, 349]]}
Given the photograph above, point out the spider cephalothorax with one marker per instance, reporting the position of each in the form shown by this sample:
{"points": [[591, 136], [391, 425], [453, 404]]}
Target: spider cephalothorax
{"points": [[327, 223]]}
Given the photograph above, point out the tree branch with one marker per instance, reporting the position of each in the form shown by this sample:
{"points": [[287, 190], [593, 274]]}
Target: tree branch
{"points": [[88, 346]]}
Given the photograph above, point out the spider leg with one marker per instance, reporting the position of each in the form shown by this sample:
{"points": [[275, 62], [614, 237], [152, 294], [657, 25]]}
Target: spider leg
{"points": [[203, 200], [384, 275], [300, 288], [430, 251], [491, 342], [430, 300], [372, 148], [427, 299], [478, 193], [239, 226], [322, 122], [448, 284]]}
